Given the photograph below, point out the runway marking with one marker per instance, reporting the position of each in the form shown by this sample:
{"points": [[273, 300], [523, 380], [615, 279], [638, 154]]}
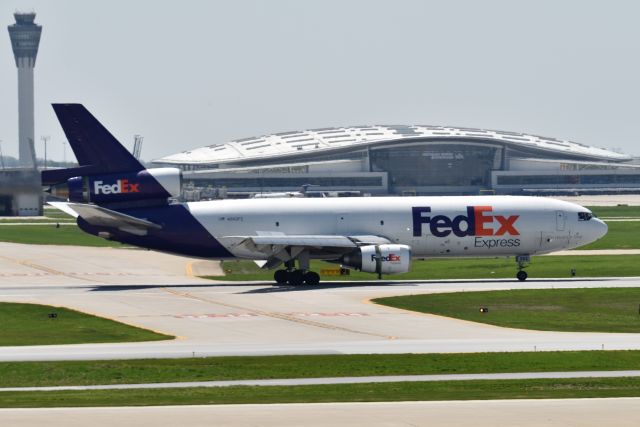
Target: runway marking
{"points": [[49, 270], [215, 315], [329, 314], [281, 316], [189, 269], [237, 315]]}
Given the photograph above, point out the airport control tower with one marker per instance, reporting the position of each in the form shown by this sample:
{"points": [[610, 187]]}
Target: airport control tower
{"points": [[25, 38]]}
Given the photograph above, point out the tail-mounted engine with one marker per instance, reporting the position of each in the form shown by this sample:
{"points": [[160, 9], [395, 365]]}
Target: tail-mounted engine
{"points": [[381, 259], [159, 183]]}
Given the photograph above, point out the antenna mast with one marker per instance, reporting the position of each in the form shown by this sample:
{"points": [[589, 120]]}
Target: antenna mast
{"points": [[137, 145]]}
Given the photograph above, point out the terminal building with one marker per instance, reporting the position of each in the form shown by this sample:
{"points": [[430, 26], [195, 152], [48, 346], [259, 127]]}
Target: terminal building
{"points": [[409, 160]]}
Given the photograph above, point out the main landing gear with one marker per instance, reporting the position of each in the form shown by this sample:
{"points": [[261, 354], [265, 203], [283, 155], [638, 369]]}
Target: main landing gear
{"points": [[297, 277], [523, 261]]}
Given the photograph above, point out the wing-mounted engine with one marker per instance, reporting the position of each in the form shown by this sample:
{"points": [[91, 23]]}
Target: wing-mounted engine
{"points": [[147, 184], [381, 259]]}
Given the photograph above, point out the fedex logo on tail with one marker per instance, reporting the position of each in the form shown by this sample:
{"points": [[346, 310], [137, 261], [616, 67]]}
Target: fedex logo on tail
{"points": [[477, 222], [121, 186]]}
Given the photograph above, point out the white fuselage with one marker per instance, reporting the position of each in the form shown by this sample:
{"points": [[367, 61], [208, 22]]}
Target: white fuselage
{"points": [[432, 226]]}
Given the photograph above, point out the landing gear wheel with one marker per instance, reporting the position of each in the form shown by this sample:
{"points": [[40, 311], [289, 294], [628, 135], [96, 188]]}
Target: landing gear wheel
{"points": [[296, 278], [280, 276], [523, 261], [311, 278]]}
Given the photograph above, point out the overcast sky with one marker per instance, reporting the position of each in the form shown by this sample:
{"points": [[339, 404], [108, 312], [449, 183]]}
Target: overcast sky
{"points": [[190, 73]]}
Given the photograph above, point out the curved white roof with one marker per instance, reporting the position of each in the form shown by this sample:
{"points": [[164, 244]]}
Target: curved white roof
{"points": [[325, 140]]}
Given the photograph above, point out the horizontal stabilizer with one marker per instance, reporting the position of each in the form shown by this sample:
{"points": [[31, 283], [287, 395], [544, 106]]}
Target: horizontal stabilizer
{"points": [[102, 217], [55, 176], [64, 207]]}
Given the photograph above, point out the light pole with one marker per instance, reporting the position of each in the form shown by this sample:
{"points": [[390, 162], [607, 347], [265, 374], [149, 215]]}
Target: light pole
{"points": [[45, 139]]}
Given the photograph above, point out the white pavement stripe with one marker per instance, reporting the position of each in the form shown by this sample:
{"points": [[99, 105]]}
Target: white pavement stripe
{"points": [[344, 380]]}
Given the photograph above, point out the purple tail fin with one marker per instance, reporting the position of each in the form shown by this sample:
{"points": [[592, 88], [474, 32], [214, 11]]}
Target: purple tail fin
{"points": [[95, 148]]}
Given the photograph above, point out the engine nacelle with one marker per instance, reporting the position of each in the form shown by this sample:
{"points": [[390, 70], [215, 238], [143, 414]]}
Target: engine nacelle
{"points": [[159, 183], [381, 259]]}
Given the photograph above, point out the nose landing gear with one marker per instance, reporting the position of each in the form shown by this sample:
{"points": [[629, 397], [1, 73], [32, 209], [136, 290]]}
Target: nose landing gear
{"points": [[523, 261]]}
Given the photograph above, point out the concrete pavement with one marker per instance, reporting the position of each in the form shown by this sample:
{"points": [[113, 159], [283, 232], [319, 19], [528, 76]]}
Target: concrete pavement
{"points": [[620, 412]]}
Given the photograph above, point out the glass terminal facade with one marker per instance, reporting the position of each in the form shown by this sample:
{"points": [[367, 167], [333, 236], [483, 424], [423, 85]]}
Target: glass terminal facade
{"points": [[563, 180], [436, 165]]}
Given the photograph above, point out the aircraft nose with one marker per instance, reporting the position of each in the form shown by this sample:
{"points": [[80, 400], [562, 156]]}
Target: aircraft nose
{"points": [[599, 229]]}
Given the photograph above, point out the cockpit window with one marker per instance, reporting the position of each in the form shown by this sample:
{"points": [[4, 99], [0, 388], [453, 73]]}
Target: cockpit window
{"points": [[584, 216]]}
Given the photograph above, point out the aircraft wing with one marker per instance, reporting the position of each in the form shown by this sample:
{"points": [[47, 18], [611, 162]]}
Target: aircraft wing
{"points": [[102, 217], [305, 241], [279, 248]]}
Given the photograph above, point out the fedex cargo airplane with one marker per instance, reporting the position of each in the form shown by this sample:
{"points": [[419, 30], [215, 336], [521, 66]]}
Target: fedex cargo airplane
{"points": [[113, 196]]}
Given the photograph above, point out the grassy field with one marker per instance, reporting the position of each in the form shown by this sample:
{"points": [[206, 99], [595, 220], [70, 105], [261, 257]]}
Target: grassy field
{"points": [[615, 211], [49, 215], [381, 392], [51, 235], [470, 268], [581, 310], [29, 324], [13, 220], [58, 373]]}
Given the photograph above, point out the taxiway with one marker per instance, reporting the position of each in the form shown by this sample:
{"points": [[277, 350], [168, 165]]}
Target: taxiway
{"points": [[160, 292]]}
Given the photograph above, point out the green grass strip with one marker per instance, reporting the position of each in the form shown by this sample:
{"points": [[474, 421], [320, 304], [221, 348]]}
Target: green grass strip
{"points": [[381, 392], [615, 211], [59, 373], [35, 221], [570, 310], [50, 235], [30, 324], [468, 268]]}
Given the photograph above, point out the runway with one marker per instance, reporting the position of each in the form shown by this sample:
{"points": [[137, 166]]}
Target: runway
{"points": [[159, 292], [620, 412]]}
